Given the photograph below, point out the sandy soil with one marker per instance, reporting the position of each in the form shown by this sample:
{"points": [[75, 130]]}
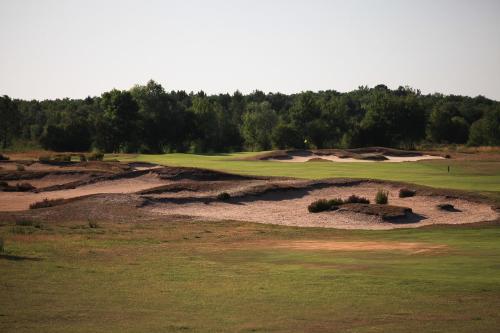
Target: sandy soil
{"points": [[333, 158], [13, 201], [290, 208], [315, 245], [51, 180]]}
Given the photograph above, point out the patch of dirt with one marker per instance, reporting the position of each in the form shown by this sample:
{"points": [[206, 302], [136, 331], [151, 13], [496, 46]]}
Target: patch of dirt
{"points": [[315, 245], [386, 212]]}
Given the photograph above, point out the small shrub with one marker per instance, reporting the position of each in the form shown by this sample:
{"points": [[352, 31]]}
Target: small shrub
{"points": [[406, 193], [224, 196], [20, 167], [3, 157], [96, 157], [46, 203], [355, 199], [382, 197], [82, 158], [447, 156], [319, 206]]}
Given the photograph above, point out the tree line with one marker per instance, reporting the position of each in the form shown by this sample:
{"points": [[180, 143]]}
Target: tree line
{"points": [[149, 119]]}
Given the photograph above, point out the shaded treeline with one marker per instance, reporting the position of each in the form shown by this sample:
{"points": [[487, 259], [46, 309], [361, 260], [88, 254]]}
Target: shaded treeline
{"points": [[149, 119]]}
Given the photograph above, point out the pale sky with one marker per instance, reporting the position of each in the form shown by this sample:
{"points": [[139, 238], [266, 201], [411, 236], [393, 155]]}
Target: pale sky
{"points": [[55, 49]]}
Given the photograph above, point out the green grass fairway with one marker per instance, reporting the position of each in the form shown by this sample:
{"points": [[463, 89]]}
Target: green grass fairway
{"points": [[465, 175], [224, 277]]}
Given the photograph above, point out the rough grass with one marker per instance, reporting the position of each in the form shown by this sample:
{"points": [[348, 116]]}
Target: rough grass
{"points": [[477, 175], [223, 277]]}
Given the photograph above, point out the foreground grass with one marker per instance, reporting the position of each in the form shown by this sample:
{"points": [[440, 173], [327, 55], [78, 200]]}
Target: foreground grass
{"points": [[466, 175], [224, 277]]}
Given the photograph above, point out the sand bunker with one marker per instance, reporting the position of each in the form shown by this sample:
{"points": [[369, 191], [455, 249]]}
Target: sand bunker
{"points": [[333, 158], [191, 192], [290, 208]]}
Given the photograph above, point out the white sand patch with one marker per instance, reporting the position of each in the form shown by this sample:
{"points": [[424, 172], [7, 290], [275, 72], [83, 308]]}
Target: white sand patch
{"points": [[333, 158]]}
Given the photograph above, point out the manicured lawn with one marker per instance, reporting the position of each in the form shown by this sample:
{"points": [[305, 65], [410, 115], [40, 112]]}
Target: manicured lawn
{"points": [[465, 175], [225, 277]]}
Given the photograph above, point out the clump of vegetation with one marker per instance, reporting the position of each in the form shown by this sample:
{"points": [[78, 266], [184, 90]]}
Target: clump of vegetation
{"points": [[2, 245], [97, 156], [382, 197], [356, 199], [322, 205], [45, 203], [224, 196], [20, 167], [3, 157], [406, 193], [82, 158], [447, 207]]}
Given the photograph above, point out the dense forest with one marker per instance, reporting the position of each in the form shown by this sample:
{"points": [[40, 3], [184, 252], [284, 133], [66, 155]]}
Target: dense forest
{"points": [[149, 119]]}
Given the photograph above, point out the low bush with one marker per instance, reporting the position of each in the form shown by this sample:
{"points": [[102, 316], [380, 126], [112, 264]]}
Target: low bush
{"points": [[82, 158], [46, 203], [382, 197], [355, 199], [3, 157], [406, 193], [319, 206], [224, 196], [20, 167], [96, 157]]}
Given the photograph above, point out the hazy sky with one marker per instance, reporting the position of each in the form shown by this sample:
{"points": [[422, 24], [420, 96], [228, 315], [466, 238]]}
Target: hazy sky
{"points": [[52, 49]]}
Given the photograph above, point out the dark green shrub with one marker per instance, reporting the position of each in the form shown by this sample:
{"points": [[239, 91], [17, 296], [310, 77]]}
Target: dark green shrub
{"points": [[224, 196], [406, 193], [319, 206], [355, 199], [382, 197]]}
